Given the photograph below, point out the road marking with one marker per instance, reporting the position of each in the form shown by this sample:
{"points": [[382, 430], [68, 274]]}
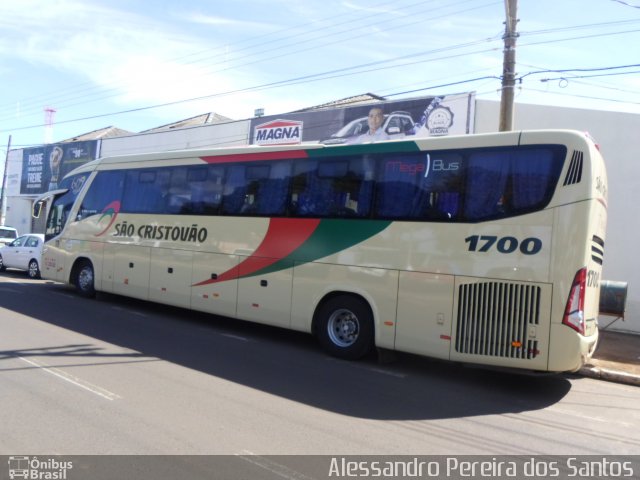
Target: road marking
{"points": [[133, 312], [388, 372], [67, 295], [369, 369], [591, 418], [67, 377], [235, 336], [10, 290], [271, 466]]}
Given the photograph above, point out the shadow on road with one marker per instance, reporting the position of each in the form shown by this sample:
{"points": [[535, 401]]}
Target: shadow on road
{"points": [[279, 362]]}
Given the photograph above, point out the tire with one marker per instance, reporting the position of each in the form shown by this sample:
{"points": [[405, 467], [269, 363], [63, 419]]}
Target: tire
{"points": [[345, 327], [84, 280], [34, 269], [2, 267]]}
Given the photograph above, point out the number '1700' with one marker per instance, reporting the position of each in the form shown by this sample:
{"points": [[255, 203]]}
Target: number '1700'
{"points": [[484, 243]]}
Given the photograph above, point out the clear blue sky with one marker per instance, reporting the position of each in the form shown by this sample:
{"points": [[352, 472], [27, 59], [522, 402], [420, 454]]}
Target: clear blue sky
{"points": [[101, 63]]}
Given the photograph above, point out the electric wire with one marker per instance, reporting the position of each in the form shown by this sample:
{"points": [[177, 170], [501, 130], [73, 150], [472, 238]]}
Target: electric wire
{"points": [[325, 35], [604, 24], [365, 68]]}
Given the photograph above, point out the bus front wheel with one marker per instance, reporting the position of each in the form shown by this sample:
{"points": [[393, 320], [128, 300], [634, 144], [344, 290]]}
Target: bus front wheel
{"points": [[345, 327], [84, 280]]}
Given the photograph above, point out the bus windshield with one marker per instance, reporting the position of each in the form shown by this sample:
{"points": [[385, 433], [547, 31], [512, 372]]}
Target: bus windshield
{"points": [[62, 203]]}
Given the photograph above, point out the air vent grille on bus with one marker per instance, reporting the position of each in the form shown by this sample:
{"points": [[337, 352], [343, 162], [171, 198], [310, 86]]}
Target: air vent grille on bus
{"points": [[597, 249], [574, 174], [494, 319]]}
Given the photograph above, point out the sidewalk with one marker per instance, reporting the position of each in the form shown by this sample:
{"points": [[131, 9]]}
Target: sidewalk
{"points": [[617, 358]]}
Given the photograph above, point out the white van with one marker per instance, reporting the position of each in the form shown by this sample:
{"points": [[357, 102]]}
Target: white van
{"points": [[7, 235]]}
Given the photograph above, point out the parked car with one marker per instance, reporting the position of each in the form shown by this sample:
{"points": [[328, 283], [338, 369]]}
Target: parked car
{"points": [[395, 123], [7, 235], [24, 253]]}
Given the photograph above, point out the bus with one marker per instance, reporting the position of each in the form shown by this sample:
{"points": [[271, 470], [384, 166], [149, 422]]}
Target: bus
{"points": [[484, 249]]}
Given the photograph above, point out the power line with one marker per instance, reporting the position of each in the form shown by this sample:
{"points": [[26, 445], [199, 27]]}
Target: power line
{"points": [[431, 87], [459, 46], [338, 73], [589, 76], [93, 98], [306, 32], [590, 97], [626, 3], [594, 69]]}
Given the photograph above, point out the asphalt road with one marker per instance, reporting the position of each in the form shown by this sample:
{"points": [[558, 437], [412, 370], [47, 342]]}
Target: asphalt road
{"points": [[120, 376]]}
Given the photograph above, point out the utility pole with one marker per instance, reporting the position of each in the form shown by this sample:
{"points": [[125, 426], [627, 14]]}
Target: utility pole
{"points": [[49, 114], [3, 193], [508, 66]]}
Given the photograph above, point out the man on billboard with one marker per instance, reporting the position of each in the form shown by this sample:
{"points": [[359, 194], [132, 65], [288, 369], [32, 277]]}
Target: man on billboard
{"points": [[375, 132]]}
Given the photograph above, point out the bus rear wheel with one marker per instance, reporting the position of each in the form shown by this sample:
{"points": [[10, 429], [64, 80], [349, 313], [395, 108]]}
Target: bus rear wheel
{"points": [[345, 327], [84, 280]]}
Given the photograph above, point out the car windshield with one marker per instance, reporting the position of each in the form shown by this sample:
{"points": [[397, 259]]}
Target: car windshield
{"points": [[7, 233], [355, 127]]}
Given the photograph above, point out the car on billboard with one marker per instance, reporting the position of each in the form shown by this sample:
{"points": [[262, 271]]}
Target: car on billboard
{"points": [[395, 123], [24, 253], [7, 235]]}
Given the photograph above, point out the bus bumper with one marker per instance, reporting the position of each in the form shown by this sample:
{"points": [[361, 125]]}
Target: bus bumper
{"points": [[568, 350]]}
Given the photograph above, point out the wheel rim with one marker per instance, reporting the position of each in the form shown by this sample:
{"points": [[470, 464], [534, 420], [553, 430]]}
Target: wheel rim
{"points": [[85, 278], [343, 327], [33, 269]]}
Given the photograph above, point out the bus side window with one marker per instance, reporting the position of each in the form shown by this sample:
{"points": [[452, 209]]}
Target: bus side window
{"points": [[235, 190], [334, 188], [356, 189], [440, 187], [313, 199], [398, 186], [257, 189], [534, 176], [486, 186], [178, 197], [106, 188], [507, 183], [206, 190], [146, 191], [272, 194]]}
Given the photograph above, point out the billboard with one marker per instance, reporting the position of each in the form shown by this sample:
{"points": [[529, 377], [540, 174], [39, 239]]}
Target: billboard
{"points": [[410, 118], [44, 167]]}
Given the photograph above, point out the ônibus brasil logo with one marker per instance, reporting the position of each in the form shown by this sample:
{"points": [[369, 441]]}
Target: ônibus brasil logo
{"points": [[110, 212], [21, 466]]}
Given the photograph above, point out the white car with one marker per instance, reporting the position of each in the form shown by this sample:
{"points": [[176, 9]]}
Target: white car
{"points": [[396, 124], [7, 235], [24, 253]]}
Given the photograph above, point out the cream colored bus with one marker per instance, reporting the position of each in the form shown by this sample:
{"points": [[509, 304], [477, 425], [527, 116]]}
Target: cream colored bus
{"points": [[483, 249]]}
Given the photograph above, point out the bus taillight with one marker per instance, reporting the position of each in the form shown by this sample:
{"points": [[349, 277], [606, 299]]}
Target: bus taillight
{"points": [[574, 311]]}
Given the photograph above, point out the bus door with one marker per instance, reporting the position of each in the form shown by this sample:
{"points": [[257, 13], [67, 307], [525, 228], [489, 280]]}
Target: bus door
{"points": [[56, 205]]}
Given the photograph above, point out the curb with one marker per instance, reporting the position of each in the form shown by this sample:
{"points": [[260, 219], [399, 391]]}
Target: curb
{"points": [[610, 375]]}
